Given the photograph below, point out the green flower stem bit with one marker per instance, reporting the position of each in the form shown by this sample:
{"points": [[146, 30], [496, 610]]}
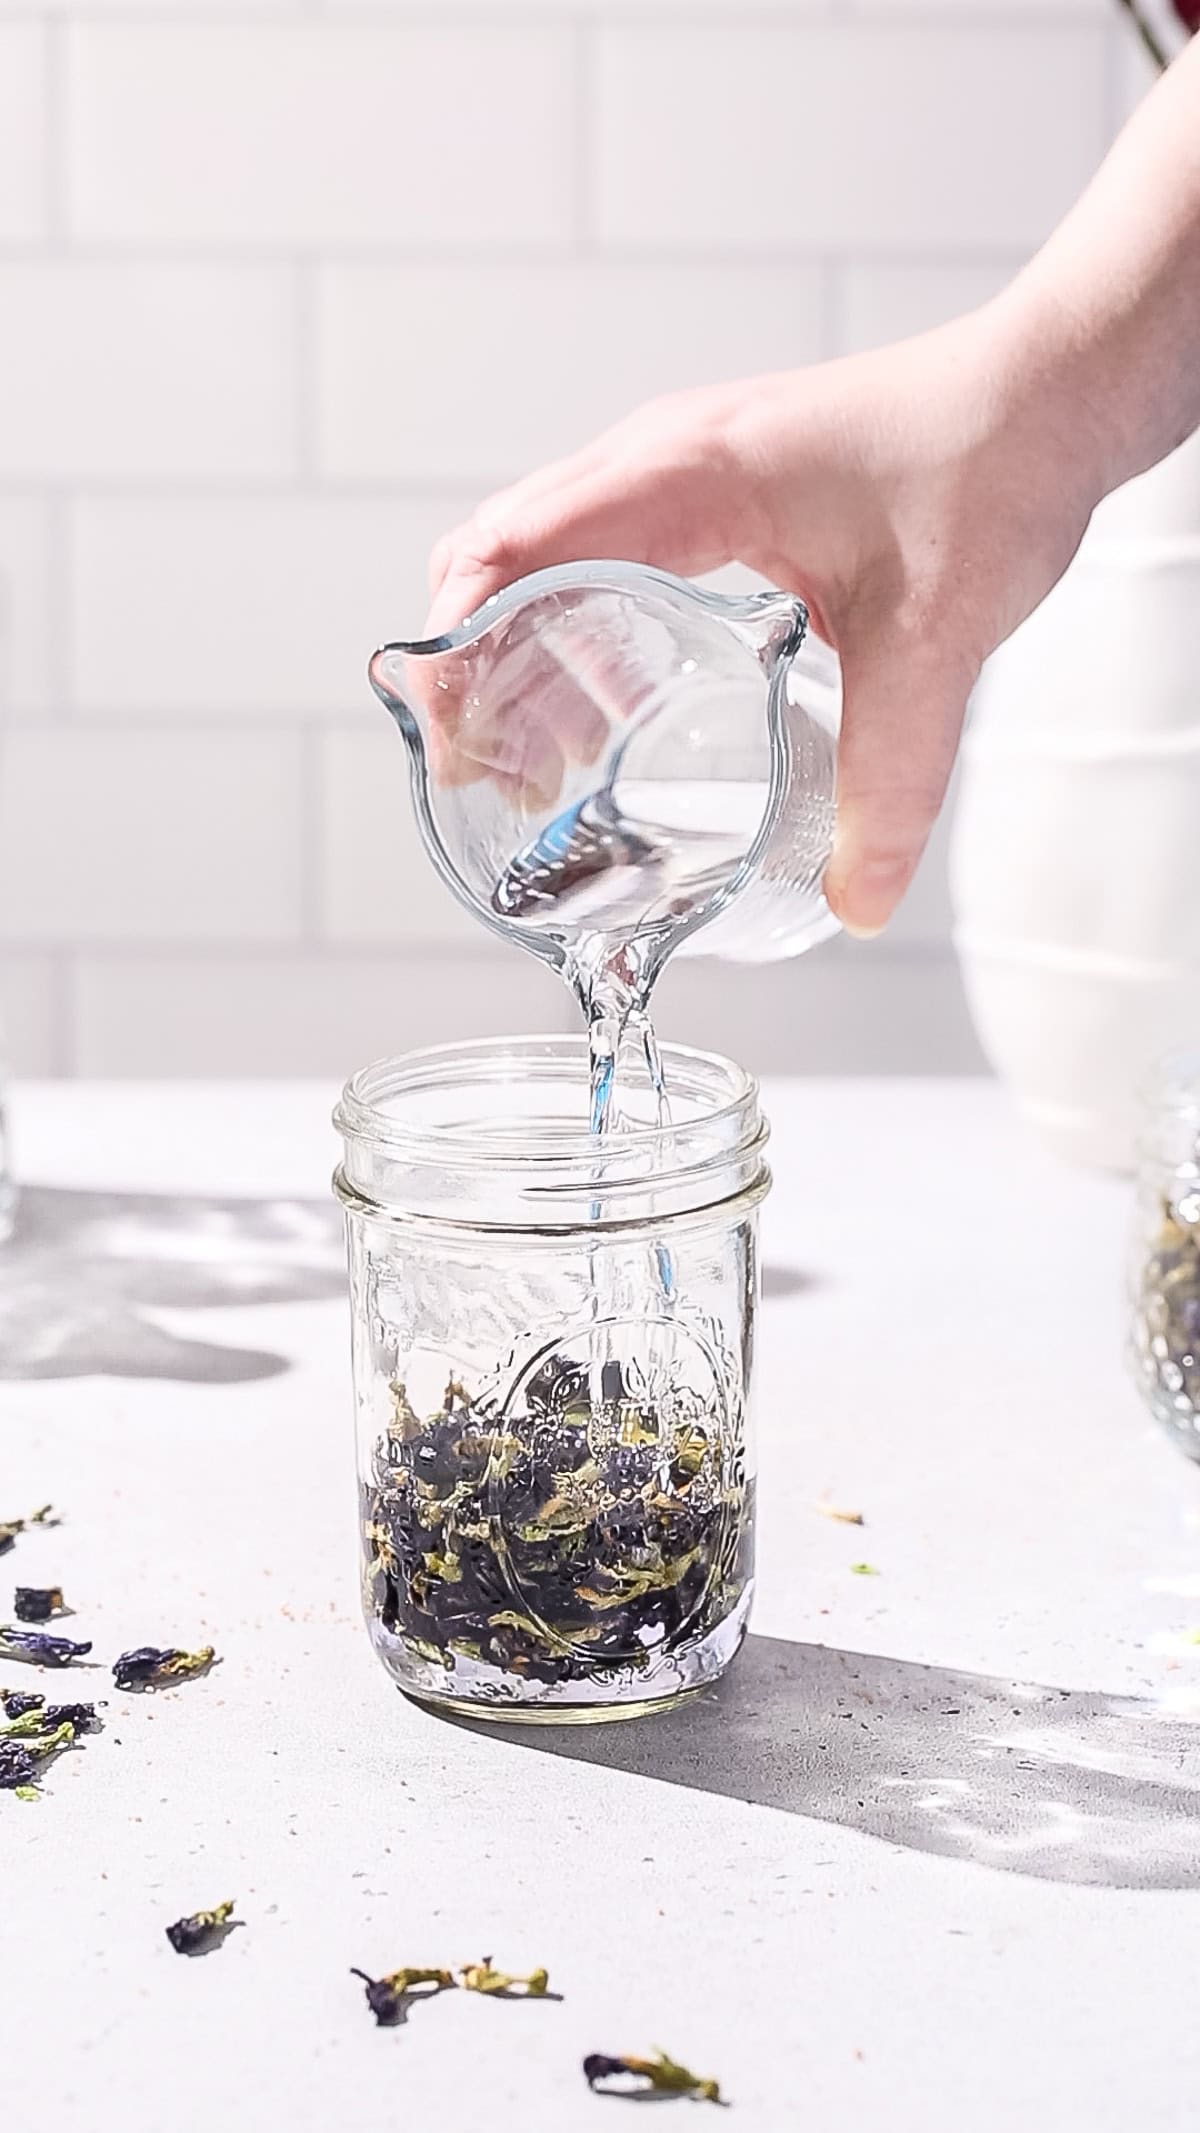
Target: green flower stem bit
{"points": [[204, 1929], [658, 2076], [388, 1997], [36, 1603], [863, 1570], [25, 1726], [481, 1977], [149, 1667], [11, 1527]]}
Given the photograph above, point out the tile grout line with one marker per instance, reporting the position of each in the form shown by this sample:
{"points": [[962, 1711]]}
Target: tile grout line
{"points": [[63, 1048], [610, 256], [584, 61], [833, 307], [521, 17], [311, 884], [305, 300], [54, 142], [60, 637]]}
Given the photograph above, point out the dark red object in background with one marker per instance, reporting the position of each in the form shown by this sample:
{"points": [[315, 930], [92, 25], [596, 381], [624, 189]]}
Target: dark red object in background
{"points": [[1188, 12]]}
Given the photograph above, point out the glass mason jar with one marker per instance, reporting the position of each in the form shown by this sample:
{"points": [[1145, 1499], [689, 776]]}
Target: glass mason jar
{"points": [[8, 1189], [1166, 1258], [553, 1340]]}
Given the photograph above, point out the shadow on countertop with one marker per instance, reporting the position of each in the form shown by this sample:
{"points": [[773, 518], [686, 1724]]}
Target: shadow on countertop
{"points": [[1062, 1784], [85, 1273]]}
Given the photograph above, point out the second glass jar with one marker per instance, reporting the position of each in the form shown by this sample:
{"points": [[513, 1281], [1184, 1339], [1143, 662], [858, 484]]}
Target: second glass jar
{"points": [[553, 1344]]}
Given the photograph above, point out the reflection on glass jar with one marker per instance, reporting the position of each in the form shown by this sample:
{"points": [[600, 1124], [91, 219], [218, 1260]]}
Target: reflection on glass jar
{"points": [[1166, 1261], [8, 1190], [553, 1343]]}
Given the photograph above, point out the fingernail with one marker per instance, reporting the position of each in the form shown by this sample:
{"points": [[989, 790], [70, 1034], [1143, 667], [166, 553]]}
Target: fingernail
{"points": [[865, 899]]}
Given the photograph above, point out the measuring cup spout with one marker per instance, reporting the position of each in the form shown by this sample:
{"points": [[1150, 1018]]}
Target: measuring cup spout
{"points": [[390, 672]]}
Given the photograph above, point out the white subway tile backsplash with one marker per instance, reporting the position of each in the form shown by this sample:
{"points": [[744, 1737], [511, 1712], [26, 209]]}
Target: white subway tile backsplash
{"points": [[23, 158], [374, 882], [474, 374], [913, 136], [281, 1015], [851, 1007], [284, 288], [304, 135], [144, 836], [596, 10], [153, 370], [28, 621], [831, 1013], [887, 301], [246, 605]]}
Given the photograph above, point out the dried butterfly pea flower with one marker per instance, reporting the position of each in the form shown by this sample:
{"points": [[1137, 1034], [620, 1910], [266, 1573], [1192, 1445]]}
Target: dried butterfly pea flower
{"points": [[530, 1551], [388, 1997], [39, 1650], [481, 1977], [203, 1930], [18, 1768], [80, 1715], [36, 1603], [150, 1667], [658, 2076], [16, 1704], [843, 1518], [32, 1721], [21, 1760]]}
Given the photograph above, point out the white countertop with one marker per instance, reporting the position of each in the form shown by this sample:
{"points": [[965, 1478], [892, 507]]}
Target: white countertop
{"points": [[929, 1861]]}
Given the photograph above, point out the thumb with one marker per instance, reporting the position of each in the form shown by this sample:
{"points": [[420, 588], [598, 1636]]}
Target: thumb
{"points": [[901, 722]]}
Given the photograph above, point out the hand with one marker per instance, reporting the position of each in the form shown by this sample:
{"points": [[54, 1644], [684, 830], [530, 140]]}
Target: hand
{"points": [[922, 500]]}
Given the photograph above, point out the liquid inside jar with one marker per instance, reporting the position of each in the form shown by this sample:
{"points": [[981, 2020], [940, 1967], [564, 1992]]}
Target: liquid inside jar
{"points": [[590, 1536]]}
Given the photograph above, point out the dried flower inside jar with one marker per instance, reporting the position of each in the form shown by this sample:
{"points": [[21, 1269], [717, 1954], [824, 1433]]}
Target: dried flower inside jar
{"points": [[589, 1532]]}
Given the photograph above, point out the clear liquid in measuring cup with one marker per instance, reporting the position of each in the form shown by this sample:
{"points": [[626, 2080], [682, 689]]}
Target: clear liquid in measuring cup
{"points": [[600, 759]]}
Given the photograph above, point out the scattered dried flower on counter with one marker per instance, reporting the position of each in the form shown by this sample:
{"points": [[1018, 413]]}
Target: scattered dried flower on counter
{"points": [[39, 1650], [203, 1930], [863, 1570], [843, 1518], [480, 1977], [28, 1724], [22, 1760], [388, 1997], [148, 1667], [16, 1703], [36, 1603], [11, 1527], [645, 2077], [80, 1715]]}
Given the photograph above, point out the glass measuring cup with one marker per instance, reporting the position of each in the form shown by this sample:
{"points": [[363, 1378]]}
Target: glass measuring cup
{"points": [[606, 760]]}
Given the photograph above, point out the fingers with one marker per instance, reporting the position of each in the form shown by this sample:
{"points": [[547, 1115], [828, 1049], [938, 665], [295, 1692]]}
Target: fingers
{"points": [[900, 728], [660, 489]]}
